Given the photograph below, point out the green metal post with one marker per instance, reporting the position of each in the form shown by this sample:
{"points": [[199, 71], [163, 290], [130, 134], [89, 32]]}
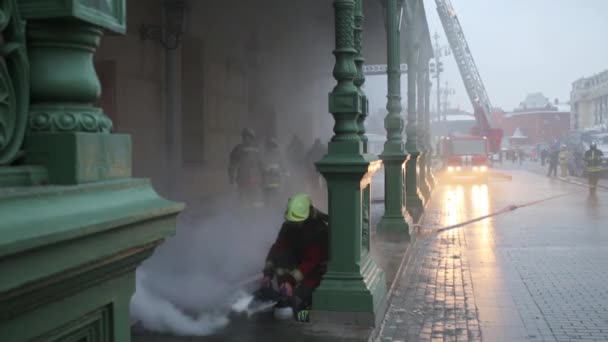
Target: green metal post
{"points": [[359, 81], [353, 289], [428, 143], [423, 186], [413, 201], [393, 155]]}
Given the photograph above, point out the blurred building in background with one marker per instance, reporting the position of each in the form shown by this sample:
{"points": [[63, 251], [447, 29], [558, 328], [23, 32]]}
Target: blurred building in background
{"points": [[589, 99], [538, 119]]}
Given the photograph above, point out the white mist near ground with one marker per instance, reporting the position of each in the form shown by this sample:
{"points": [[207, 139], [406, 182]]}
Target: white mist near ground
{"points": [[157, 314], [196, 278]]}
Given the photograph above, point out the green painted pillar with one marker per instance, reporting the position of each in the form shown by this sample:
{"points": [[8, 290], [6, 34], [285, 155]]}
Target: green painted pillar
{"points": [[423, 186], [359, 81], [74, 224], [413, 199], [353, 290], [393, 156], [427, 129]]}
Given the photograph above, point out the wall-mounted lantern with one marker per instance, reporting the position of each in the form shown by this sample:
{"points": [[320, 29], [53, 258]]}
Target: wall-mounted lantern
{"points": [[174, 24]]}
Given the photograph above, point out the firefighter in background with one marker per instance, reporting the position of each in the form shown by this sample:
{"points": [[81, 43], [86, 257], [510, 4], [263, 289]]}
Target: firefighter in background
{"points": [[564, 157], [274, 172], [315, 181], [297, 260], [245, 169], [593, 160], [553, 161]]}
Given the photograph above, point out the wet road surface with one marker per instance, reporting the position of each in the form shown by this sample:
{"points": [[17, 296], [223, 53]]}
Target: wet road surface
{"points": [[538, 273]]}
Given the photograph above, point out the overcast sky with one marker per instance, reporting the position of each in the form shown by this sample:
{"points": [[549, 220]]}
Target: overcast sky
{"points": [[524, 46]]}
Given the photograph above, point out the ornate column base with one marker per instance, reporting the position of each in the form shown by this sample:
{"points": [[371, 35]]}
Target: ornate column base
{"points": [[77, 158], [413, 200], [353, 290], [393, 219], [80, 246], [358, 298]]}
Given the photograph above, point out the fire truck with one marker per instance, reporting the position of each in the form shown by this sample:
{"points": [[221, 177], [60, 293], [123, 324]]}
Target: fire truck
{"points": [[483, 134], [465, 156]]}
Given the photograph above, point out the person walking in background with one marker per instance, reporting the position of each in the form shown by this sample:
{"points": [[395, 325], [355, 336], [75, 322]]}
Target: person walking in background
{"points": [[543, 156], [274, 172], [563, 161], [245, 169], [553, 161]]}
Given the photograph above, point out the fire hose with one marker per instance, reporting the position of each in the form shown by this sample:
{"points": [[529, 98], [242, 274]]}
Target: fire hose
{"points": [[506, 209]]}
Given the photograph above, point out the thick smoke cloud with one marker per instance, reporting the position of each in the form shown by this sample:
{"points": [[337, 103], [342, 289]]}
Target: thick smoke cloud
{"points": [[189, 285]]}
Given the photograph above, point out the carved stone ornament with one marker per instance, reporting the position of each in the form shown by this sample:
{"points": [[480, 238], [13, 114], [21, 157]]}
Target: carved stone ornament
{"points": [[14, 82]]}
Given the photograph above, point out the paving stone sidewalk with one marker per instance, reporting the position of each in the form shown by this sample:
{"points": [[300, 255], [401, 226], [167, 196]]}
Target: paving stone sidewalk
{"points": [[436, 302], [538, 273]]}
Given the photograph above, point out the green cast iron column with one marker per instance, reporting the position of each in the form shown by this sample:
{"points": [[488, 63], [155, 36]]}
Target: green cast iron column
{"points": [[421, 131], [353, 289], [413, 201], [62, 120], [359, 81], [393, 155], [427, 129], [64, 82], [69, 244]]}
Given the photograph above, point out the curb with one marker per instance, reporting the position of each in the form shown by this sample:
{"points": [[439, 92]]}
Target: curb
{"points": [[403, 266], [575, 182]]}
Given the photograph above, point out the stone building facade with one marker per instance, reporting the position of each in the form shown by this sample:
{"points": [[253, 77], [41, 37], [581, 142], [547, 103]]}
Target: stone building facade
{"points": [[589, 100]]}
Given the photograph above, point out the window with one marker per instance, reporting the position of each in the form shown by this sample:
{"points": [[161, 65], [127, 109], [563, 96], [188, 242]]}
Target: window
{"points": [[468, 147]]}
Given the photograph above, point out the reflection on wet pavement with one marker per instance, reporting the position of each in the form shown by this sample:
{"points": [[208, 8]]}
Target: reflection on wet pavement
{"points": [[535, 274]]}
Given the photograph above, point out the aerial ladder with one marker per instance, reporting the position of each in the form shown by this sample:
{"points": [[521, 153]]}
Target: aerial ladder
{"points": [[470, 75]]}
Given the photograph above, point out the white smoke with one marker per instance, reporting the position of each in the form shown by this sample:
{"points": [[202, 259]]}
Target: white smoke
{"points": [[159, 315], [209, 269]]}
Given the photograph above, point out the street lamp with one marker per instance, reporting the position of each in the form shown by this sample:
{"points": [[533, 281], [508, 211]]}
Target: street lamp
{"points": [[437, 67], [173, 26]]}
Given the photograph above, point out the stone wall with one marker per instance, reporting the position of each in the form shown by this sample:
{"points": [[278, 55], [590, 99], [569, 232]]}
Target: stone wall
{"points": [[265, 64]]}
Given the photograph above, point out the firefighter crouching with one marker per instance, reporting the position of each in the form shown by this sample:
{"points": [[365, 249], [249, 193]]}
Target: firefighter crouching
{"points": [[593, 160], [273, 173], [245, 169], [297, 260]]}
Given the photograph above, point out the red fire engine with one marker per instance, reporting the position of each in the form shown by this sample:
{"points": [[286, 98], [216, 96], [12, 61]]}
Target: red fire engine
{"points": [[465, 156], [471, 78]]}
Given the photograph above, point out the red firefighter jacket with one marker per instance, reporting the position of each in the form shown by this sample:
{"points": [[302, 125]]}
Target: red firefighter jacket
{"points": [[301, 250]]}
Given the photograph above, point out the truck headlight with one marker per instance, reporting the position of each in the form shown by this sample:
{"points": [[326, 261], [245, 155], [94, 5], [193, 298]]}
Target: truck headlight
{"points": [[450, 169], [475, 169], [483, 168], [458, 168]]}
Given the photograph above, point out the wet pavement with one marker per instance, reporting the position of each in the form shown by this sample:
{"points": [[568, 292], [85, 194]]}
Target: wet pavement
{"points": [[537, 273]]}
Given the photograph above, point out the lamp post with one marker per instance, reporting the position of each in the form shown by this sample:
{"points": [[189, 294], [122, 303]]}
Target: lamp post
{"points": [[437, 69], [393, 155], [169, 34]]}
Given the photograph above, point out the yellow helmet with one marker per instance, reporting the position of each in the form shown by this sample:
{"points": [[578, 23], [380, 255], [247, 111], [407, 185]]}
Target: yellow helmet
{"points": [[298, 208]]}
